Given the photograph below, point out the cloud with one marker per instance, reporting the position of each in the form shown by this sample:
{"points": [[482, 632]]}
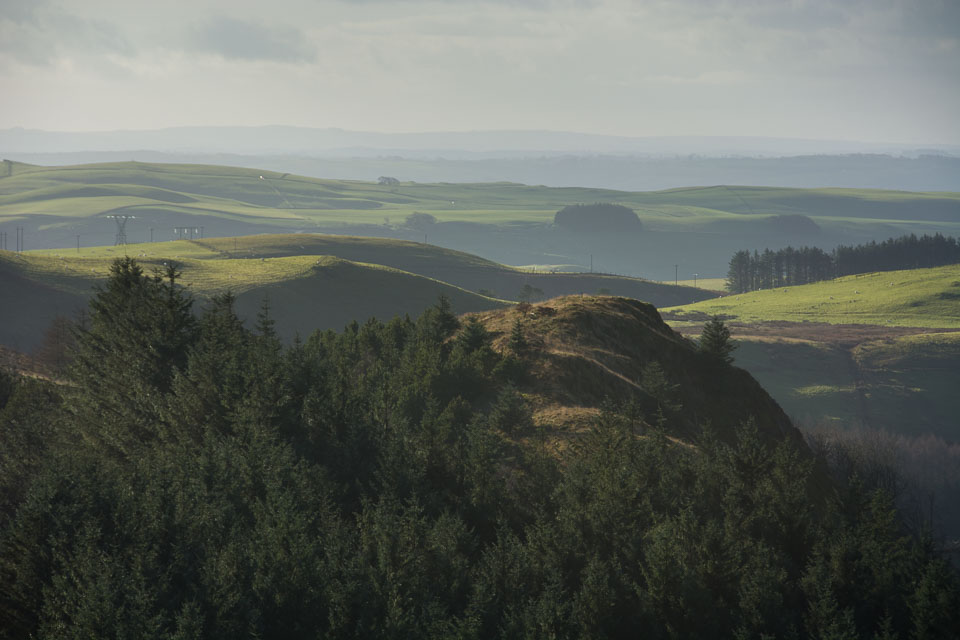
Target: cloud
{"points": [[36, 33], [20, 11], [241, 40], [787, 67]]}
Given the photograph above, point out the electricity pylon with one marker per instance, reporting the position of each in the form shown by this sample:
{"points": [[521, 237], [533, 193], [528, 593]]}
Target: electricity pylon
{"points": [[121, 220]]}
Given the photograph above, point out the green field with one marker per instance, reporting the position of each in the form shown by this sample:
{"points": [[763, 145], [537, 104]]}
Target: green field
{"points": [[91, 190], [312, 280], [913, 298], [710, 284], [317, 280], [850, 351], [696, 228]]}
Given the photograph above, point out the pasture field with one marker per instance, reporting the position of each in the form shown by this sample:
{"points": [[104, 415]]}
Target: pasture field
{"points": [[696, 228], [84, 191], [710, 284], [312, 280], [874, 350], [912, 298], [216, 264]]}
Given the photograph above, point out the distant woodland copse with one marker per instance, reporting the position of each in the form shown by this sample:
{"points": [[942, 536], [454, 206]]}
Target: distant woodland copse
{"points": [[790, 266]]}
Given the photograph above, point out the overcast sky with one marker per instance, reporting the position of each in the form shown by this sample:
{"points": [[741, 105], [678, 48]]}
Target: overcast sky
{"points": [[869, 70]]}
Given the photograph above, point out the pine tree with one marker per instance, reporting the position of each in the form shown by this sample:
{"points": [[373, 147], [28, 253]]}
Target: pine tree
{"points": [[139, 331], [654, 381], [474, 336], [517, 344], [58, 342], [715, 341]]}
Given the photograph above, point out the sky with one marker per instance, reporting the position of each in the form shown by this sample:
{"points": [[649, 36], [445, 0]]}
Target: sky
{"points": [[866, 70]]}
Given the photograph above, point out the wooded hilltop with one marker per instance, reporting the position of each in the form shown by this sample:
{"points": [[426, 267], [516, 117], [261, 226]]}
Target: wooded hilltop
{"points": [[189, 477]]}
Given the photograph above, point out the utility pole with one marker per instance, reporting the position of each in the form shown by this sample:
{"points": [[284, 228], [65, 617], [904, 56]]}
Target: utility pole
{"points": [[676, 274], [19, 239], [201, 233], [78, 243], [3, 240], [151, 235], [695, 279], [591, 263]]}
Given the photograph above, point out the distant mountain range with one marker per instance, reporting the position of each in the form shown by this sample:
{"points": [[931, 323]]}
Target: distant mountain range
{"points": [[450, 145]]}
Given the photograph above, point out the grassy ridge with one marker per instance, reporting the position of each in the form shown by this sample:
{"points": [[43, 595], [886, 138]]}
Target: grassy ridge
{"points": [[90, 190], [305, 292], [913, 298], [313, 281], [241, 263], [697, 229]]}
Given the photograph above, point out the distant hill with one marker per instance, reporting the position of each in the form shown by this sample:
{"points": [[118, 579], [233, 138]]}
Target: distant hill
{"points": [[312, 281], [684, 231], [286, 139]]}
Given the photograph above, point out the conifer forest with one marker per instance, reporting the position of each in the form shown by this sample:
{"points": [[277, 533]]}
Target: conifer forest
{"points": [[189, 477]]}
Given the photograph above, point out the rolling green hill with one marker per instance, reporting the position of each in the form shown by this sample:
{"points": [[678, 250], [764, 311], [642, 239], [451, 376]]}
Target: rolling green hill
{"points": [[912, 298], [870, 350], [305, 292], [313, 281], [260, 193], [695, 228]]}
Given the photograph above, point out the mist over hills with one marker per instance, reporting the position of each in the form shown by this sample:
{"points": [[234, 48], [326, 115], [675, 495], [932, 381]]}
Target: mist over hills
{"points": [[627, 173], [306, 140], [530, 157]]}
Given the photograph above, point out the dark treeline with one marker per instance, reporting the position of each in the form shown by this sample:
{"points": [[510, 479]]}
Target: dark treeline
{"points": [[791, 266], [192, 478], [600, 216]]}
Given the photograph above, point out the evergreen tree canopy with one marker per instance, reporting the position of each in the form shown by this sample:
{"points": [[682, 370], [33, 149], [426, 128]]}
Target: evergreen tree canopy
{"points": [[200, 480], [790, 266], [715, 341], [140, 328]]}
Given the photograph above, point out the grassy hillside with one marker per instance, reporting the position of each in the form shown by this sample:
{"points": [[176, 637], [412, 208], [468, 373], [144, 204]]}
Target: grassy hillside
{"points": [[861, 350], [29, 305], [313, 281], [586, 351], [240, 263], [696, 228], [913, 298], [305, 292], [271, 194]]}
